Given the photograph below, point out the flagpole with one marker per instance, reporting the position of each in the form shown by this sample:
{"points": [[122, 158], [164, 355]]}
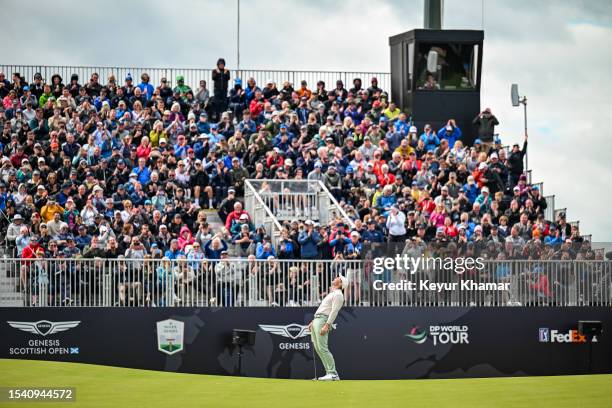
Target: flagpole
{"points": [[238, 39]]}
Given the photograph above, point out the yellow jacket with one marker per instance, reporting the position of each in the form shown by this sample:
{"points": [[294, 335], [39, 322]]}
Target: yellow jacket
{"points": [[48, 211]]}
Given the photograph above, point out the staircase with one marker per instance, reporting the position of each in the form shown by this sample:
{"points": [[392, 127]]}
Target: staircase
{"points": [[9, 296], [271, 202]]}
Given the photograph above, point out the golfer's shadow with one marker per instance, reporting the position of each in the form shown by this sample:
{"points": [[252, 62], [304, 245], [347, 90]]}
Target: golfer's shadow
{"points": [[429, 359]]}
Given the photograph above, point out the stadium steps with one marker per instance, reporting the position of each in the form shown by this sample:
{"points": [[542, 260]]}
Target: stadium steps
{"points": [[213, 219], [9, 296]]}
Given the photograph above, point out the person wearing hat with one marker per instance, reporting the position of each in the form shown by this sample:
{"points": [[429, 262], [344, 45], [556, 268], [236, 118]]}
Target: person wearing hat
{"points": [[309, 240], [49, 210], [396, 224], [14, 229], [486, 123], [237, 99], [322, 324], [450, 132], [515, 161], [221, 78]]}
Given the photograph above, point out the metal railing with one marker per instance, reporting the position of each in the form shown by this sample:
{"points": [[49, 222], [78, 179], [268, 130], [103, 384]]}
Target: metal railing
{"points": [[302, 200], [540, 187], [260, 211], [252, 283], [559, 211], [549, 212], [194, 75]]}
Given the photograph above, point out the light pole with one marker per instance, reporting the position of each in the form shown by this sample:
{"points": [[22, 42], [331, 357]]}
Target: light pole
{"points": [[516, 101], [238, 39]]}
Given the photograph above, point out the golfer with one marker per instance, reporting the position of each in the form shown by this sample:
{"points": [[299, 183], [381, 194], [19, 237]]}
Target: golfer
{"points": [[322, 325]]}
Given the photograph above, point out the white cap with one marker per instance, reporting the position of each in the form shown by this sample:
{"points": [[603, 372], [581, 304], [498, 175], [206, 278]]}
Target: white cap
{"points": [[345, 281], [413, 129]]}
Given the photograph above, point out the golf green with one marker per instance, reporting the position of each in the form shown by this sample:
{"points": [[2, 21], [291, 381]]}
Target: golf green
{"points": [[101, 386]]}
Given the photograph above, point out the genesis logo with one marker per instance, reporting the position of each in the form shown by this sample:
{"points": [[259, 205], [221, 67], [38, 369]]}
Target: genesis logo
{"points": [[293, 331], [44, 327]]}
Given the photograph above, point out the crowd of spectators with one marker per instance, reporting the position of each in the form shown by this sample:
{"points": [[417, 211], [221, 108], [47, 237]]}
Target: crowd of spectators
{"points": [[92, 169]]}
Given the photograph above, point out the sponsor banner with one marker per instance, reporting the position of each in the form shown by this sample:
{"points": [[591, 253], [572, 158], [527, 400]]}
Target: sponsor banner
{"points": [[440, 335], [299, 333], [170, 334], [44, 339], [367, 343], [559, 336]]}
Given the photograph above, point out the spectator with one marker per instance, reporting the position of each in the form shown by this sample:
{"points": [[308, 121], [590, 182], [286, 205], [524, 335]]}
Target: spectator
{"points": [[486, 123], [149, 172]]}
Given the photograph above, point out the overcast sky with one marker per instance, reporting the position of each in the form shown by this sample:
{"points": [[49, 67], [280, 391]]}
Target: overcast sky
{"points": [[558, 53]]}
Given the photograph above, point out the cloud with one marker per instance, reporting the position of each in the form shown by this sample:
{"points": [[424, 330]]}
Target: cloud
{"points": [[557, 52]]}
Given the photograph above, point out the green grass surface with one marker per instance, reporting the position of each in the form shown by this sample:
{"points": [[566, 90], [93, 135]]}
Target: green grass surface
{"points": [[100, 386]]}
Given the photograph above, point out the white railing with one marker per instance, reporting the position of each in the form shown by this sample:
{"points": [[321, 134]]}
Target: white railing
{"points": [[290, 200], [251, 283], [193, 76], [260, 211]]}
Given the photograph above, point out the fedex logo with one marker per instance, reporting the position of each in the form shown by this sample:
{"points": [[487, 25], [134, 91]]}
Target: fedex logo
{"points": [[555, 336]]}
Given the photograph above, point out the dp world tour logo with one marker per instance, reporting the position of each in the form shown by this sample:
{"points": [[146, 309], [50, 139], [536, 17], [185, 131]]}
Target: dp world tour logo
{"points": [[417, 335], [44, 327], [440, 335], [170, 335]]}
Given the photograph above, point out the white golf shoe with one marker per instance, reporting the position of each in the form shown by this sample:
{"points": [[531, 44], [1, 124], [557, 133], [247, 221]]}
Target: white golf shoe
{"points": [[329, 377]]}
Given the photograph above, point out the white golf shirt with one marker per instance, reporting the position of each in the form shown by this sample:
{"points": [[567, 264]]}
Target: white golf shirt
{"points": [[331, 305]]}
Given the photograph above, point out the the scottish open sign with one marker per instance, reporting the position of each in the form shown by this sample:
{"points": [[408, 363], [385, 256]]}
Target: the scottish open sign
{"points": [[170, 334]]}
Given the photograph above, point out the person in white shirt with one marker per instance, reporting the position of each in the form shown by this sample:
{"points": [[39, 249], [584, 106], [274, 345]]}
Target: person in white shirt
{"points": [[322, 323], [396, 223]]}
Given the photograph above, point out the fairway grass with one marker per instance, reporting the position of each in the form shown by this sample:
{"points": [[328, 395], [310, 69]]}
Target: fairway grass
{"points": [[101, 386]]}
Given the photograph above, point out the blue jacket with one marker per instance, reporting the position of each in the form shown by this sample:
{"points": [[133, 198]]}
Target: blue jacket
{"points": [[454, 136], [549, 239], [471, 192], [351, 248], [394, 139], [384, 201], [431, 141], [203, 127], [402, 127], [212, 253], [149, 89], [250, 93], [247, 127], [144, 175], [339, 245], [261, 254], [308, 244], [180, 151], [355, 115], [373, 236], [170, 254]]}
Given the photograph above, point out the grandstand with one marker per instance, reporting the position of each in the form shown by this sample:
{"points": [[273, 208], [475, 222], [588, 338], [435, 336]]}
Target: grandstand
{"points": [[129, 185]]}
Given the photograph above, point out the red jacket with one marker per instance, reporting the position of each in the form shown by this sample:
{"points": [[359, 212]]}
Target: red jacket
{"points": [[389, 179], [29, 252], [234, 216], [256, 107]]}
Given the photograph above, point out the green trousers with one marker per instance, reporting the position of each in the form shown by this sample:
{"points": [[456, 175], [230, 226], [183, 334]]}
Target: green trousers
{"points": [[320, 344]]}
